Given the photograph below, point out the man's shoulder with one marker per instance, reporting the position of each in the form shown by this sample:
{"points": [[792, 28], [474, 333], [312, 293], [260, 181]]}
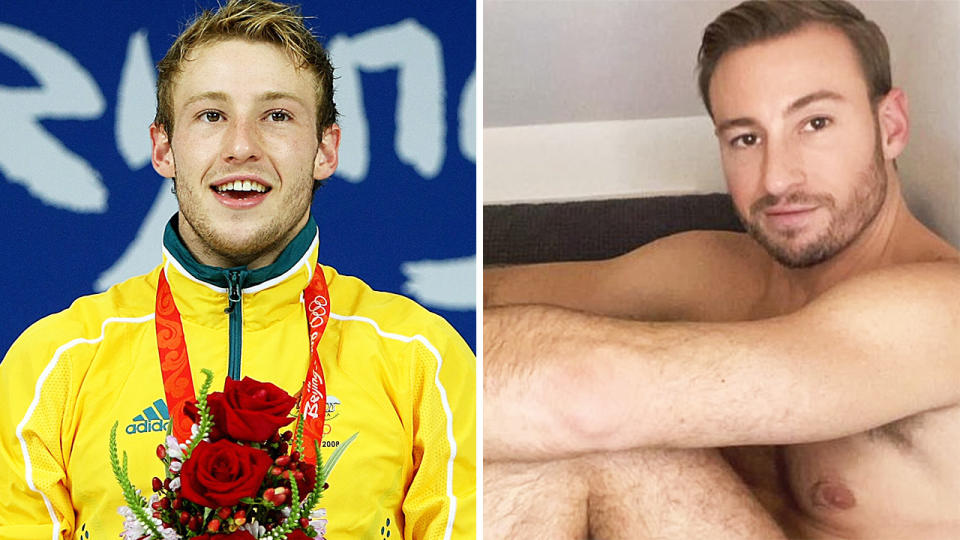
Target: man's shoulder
{"points": [[711, 251], [911, 294], [386, 313], [720, 246], [704, 275], [931, 276], [132, 298], [131, 301]]}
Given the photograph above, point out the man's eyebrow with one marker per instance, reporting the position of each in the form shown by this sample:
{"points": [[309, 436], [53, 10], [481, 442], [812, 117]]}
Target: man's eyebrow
{"points": [[819, 95], [736, 122], [275, 95], [800, 103], [222, 96], [214, 96]]}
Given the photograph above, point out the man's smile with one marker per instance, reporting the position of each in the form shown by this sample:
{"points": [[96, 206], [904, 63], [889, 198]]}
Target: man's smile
{"points": [[241, 191], [789, 216]]}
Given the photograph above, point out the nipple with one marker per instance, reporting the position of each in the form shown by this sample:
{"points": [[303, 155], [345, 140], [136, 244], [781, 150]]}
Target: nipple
{"points": [[832, 495]]}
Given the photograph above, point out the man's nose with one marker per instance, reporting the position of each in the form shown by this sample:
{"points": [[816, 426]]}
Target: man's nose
{"points": [[242, 142], [782, 170]]}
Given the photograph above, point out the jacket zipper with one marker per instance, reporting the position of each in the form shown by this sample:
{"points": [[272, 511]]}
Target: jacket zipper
{"points": [[235, 280]]}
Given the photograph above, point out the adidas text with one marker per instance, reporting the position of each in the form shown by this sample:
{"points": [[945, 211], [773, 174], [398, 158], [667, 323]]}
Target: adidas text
{"points": [[155, 418], [147, 426]]}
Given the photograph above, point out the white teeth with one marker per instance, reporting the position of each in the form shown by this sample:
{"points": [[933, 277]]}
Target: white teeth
{"points": [[241, 185]]}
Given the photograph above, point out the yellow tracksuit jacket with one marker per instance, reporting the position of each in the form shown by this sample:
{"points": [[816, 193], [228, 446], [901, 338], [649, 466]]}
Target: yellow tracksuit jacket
{"points": [[396, 374]]}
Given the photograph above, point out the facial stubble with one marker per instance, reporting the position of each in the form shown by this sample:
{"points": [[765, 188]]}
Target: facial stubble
{"points": [[845, 226], [276, 233]]}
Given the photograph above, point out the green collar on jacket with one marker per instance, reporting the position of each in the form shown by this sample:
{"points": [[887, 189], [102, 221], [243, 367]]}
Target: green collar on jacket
{"points": [[216, 276]]}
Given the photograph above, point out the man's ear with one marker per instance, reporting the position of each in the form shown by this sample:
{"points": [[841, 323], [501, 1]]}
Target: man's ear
{"points": [[162, 155], [893, 115], [328, 153]]}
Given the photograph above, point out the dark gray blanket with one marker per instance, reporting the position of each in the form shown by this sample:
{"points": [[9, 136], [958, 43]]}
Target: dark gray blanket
{"points": [[591, 230]]}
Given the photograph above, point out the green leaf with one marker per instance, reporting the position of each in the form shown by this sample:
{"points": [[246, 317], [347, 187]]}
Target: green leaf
{"points": [[294, 501], [134, 502], [298, 436], [323, 471], [335, 456], [311, 500], [206, 421]]}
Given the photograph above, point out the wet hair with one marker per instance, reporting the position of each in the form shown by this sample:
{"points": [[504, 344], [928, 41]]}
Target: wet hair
{"points": [[252, 20], [755, 21]]}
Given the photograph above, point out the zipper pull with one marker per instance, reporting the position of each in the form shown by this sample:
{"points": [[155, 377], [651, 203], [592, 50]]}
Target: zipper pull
{"points": [[233, 290]]}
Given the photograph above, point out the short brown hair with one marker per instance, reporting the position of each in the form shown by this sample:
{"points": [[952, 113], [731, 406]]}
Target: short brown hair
{"points": [[253, 20], [754, 21]]}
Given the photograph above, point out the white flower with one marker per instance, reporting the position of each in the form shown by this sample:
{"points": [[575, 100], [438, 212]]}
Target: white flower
{"points": [[175, 483], [195, 430], [173, 448], [254, 528], [175, 466], [132, 528], [168, 534], [318, 520]]}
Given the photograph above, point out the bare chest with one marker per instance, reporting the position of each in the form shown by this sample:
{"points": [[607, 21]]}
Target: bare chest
{"points": [[894, 481]]}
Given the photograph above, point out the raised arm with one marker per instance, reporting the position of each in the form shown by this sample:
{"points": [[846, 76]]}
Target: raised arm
{"points": [[869, 352], [674, 278]]}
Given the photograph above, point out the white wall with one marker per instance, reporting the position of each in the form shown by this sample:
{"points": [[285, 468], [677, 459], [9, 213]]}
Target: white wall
{"points": [[595, 160], [593, 99]]}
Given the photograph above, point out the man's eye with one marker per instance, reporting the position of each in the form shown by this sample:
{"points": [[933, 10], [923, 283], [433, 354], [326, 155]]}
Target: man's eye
{"points": [[816, 124], [744, 141], [279, 116], [212, 116]]}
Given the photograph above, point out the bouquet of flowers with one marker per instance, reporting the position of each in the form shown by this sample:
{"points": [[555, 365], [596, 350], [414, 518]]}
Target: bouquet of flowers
{"points": [[236, 477]]}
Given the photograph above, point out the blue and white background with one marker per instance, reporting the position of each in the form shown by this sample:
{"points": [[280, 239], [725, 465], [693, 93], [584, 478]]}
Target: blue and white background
{"points": [[82, 208]]}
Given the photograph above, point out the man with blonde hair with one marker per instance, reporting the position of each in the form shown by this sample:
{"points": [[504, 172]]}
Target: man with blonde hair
{"points": [[246, 127], [821, 349]]}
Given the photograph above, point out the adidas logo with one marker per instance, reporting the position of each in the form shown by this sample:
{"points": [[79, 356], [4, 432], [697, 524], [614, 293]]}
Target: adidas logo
{"points": [[154, 418]]}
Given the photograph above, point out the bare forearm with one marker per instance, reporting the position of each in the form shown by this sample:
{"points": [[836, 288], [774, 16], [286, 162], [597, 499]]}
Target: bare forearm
{"points": [[521, 410], [559, 383]]}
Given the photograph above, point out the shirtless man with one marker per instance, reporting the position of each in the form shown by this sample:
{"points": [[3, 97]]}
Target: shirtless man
{"points": [[829, 333]]}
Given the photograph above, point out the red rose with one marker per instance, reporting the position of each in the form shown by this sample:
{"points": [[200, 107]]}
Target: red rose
{"points": [[297, 534], [250, 410], [236, 535], [192, 412], [222, 473]]}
